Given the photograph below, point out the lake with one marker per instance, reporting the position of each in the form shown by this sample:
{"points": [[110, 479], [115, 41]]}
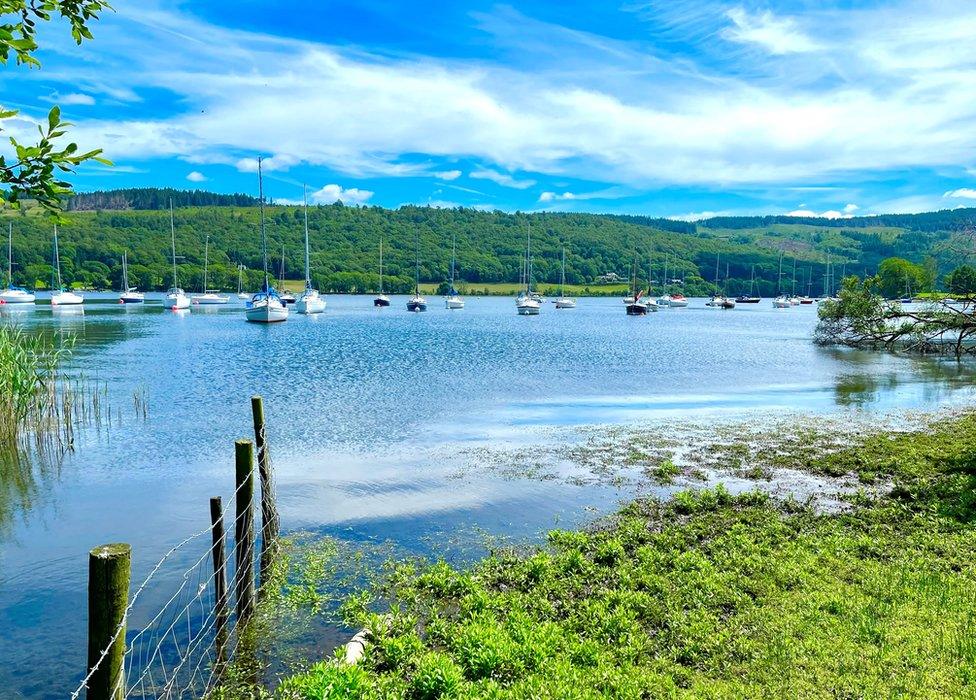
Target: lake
{"points": [[373, 414]]}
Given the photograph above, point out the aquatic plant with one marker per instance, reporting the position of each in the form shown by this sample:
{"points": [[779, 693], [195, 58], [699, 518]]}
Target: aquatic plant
{"points": [[708, 595]]}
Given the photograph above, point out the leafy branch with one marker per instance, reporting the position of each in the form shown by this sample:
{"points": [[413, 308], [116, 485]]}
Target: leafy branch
{"points": [[35, 172]]}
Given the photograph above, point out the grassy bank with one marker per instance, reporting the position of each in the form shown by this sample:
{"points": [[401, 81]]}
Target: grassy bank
{"points": [[709, 595]]}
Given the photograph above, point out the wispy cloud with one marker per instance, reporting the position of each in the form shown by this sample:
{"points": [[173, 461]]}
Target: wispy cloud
{"points": [[72, 98], [962, 193], [503, 179], [776, 35], [447, 174]]}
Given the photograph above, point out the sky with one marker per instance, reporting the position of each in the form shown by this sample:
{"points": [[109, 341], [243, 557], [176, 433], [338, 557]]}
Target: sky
{"points": [[659, 107]]}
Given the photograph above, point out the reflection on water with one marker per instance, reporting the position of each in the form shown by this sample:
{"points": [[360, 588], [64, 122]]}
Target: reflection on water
{"points": [[368, 410]]}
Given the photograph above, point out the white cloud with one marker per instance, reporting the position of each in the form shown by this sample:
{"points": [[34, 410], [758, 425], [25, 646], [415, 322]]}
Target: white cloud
{"points": [[276, 162], [850, 208], [829, 214], [875, 97], [335, 193], [962, 193], [196, 176], [72, 98], [608, 193], [778, 36], [447, 174], [502, 179]]}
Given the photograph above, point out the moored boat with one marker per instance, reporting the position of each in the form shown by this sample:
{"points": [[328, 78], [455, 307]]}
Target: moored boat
{"points": [[265, 306], [60, 296], [310, 301], [13, 294]]}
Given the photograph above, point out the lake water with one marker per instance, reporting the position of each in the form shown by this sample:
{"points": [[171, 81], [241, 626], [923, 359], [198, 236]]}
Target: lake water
{"points": [[369, 412]]}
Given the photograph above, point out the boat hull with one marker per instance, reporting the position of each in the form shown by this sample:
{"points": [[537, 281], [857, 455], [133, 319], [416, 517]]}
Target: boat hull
{"points": [[132, 298], [748, 300], [416, 306], [308, 305], [16, 296], [636, 309], [454, 303], [381, 301], [176, 302], [267, 313], [565, 303], [678, 303], [210, 300], [67, 299]]}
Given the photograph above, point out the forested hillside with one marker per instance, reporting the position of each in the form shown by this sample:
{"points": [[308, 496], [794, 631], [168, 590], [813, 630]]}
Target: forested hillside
{"points": [[345, 245]]}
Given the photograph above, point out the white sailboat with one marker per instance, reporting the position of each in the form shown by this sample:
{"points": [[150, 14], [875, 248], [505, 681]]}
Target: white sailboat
{"points": [[381, 299], [417, 303], [283, 293], [129, 295], [209, 296], [310, 301], [453, 300], [564, 302], [175, 299], [665, 299], [265, 306], [527, 303], [781, 301], [241, 294], [719, 300], [60, 296], [12, 294]]}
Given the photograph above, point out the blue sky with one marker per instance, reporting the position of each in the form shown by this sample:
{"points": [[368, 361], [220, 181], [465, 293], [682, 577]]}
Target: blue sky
{"points": [[665, 108]]}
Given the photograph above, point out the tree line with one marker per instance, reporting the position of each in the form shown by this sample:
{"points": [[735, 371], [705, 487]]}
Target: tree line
{"points": [[490, 248]]}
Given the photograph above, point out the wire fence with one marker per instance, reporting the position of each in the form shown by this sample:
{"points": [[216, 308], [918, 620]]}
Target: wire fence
{"points": [[182, 650]]}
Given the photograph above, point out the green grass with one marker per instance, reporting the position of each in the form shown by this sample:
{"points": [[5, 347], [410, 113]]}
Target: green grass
{"points": [[707, 596]]}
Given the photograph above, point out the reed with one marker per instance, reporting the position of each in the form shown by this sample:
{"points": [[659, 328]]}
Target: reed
{"points": [[31, 398]]}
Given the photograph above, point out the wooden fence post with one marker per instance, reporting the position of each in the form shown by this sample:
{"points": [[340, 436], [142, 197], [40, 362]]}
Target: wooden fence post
{"points": [[108, 597], [244, 530], [220, 582], [269, 510]]}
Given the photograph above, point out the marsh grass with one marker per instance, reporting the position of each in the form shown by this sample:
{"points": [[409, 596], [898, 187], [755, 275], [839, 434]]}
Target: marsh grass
{"points": [[708, 595]]}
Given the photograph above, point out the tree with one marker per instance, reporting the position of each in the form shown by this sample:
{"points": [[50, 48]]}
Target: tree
{"points": [[862, 318], [34, 172], [962, 280], [898, 277]]}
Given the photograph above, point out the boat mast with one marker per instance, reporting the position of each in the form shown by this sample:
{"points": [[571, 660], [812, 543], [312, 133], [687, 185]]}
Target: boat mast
{"points": [[381, 264], [794, 277], [417, 278], [206, 261], [264, 234], [308, 273], [56, 272], [717, 255], [453, 256], [562, 280], [528, 258], [10, 254], [779, 276], [752, 281], [125, 274], [172, 235]]}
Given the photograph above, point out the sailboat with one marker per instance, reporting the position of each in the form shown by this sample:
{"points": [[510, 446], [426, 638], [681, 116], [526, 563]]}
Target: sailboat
{"points": [[636, 307], [564, 302], [60, 296], [209, 296], [265, 306], [807, 299], [417, 303], [129, 295], [284, 294], [310, 301], [750, 298], [665, 299], [12, 294], [527, 303], [175, 299], [719, 300], [794, 299], [649, 302], [453, 300], [781, 301], [381, 299], [241, 294]]}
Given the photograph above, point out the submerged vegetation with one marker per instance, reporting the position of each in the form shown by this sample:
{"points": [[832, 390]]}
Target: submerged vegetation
{"points": [[708, 595]]}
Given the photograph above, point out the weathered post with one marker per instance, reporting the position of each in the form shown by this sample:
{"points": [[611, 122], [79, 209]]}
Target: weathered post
{"points": [[244, 530], [269, 511], [220, 582], [108, 598]]}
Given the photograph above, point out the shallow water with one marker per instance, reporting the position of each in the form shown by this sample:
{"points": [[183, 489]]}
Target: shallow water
{"points": [[371, 413]]}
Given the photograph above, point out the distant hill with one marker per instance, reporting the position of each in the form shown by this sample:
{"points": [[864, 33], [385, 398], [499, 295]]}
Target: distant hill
{"points": [[345, 242], [154, 198]]}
